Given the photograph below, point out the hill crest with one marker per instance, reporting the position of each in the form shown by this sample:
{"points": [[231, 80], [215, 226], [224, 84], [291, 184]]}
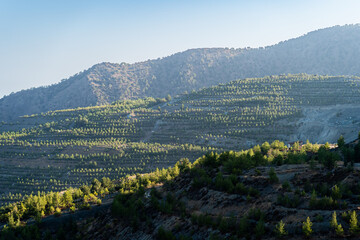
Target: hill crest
{"points": [[330, 51]]}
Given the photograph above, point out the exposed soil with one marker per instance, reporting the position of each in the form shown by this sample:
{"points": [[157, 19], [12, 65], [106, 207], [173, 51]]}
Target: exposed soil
{"points": [[326, 124]]}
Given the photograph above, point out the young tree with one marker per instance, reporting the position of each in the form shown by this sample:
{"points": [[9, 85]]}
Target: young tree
{"points": [[56, 199], [334, 222], [339, 230], [353, 223], [341, 142], [67, 198], [280, 229], [265, 147], [260, 228], [168, 98], [336, 193], [272, 176], [96, 185], [306, 227], [11, 221]]}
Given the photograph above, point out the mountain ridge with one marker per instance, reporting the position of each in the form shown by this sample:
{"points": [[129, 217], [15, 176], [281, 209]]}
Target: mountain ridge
{"points": [[329, 51]]}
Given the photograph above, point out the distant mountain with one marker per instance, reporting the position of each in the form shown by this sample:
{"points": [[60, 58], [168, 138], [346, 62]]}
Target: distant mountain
{"points": [[333, 51]]}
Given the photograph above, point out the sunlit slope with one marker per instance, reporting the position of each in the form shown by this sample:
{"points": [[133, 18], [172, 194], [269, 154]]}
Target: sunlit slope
{"points": [[73, 146]]}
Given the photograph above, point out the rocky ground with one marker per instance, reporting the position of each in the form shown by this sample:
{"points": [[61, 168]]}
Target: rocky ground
{"points": [[326, 124], [224, 208]]}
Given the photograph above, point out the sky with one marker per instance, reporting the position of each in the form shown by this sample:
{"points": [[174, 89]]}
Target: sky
{"points": [[43, 42]]}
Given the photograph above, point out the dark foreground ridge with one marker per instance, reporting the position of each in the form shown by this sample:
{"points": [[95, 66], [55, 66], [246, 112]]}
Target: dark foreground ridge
{"points": [[267, 192]]}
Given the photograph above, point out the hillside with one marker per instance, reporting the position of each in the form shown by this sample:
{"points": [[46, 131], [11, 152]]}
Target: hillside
{"points": [[68, 148], [332, 51], [267, 192]]}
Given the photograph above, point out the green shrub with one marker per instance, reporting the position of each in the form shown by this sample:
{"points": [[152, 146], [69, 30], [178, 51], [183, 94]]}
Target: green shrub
{"points": [[57, 212], [72, 209], [162, 234], [260, 229], [336, 193], [287, 201], [255, 214], [272, 176], [286, 186], [243, 225]]}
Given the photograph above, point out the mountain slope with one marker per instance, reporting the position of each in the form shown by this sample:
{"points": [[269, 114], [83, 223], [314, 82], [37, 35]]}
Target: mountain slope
{"points": [[74, 146], [332, 51]]}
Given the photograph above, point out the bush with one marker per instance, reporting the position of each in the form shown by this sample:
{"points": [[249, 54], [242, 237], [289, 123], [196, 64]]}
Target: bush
{"points": [[57, 212], [260, 229], [256, 214], [327, 158], [336, 193], [72, 209], [341, 142], [243, 226], [223, 184], [272, 176], [210, 160], [165, 235], [286, 186], [184, 165], [325, 203], [286, 201], [200, 178]]}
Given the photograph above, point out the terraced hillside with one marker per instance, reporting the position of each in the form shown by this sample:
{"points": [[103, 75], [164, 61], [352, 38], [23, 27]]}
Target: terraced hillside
{"points": [[70, 147], [76, 146]]}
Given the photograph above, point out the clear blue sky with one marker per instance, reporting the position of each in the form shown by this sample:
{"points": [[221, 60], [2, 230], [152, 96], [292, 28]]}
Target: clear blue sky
{"points": [[42, 42]]}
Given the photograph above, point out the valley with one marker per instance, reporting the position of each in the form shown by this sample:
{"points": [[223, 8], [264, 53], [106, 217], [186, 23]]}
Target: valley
{"points": [[179, 120], [101, 156]]}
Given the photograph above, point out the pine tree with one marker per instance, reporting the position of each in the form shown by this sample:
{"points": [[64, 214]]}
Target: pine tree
{"points": [[333, 222], [67, 199], [280, 229], [341, 142], [339, 230], [353, 223], [306, 227], [313, 200], [260, 228], [11, 221], [272, 176], [336, 193]]}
